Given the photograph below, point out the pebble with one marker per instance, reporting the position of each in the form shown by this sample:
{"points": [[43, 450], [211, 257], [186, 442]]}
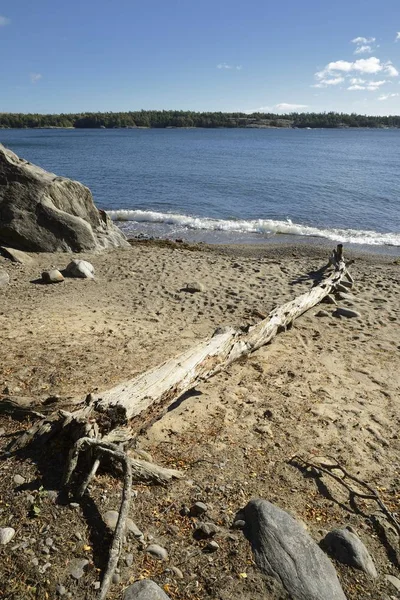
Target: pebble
{"points": [[30, 498], [239, 524], [129, 560], [6, 535], [157, 551], [49, 542], [145, 589], [212, 546], [19, 480], [74, 505], [97, 585], [116, 578], [2, 431], [177, 572], [207, 529], [35, 561], [111, 520], [76, 567], [185, 511], [198, 508], [61, 590], [194, 286], [52, 276]]}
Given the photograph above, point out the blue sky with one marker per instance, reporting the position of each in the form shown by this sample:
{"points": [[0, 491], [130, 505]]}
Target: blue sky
{"points": [[211, 55]]}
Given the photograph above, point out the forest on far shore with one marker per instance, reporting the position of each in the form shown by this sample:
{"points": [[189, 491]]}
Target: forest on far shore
{"points": [[179, 118]]}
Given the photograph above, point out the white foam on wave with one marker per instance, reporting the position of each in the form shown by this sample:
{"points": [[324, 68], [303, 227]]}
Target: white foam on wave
{"points": [[258, 226]]}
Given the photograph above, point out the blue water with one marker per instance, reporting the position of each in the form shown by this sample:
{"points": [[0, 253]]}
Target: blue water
{"points": [[232, 185]]}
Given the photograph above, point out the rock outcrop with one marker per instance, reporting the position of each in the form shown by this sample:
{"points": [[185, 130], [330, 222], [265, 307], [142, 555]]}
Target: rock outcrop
{"points": [[40, 212]]}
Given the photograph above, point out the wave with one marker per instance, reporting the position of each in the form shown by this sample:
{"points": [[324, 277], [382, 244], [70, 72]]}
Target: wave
{"points": [[258, 226]]}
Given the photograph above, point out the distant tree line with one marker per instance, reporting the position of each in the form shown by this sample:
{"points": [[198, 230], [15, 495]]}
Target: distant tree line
{"points": [[172, 118]]}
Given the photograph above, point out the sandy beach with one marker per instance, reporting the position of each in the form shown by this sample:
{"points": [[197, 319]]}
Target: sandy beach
{"points": [[329, 386]]}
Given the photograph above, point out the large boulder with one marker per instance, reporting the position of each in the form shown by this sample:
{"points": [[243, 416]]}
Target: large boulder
{"points": [[285, 551], [40, 212]]}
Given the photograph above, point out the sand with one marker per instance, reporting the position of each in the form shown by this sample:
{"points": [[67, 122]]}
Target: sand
{"points": [[329, 386]]}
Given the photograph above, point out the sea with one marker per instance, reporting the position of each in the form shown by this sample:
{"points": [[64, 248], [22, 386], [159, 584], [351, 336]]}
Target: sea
{"points": [[233, 185]]}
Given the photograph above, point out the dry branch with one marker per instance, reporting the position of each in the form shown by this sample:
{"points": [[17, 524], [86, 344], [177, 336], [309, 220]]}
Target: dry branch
{"points": [[327, 469]]}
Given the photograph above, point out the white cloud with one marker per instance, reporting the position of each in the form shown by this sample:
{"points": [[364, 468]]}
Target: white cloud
{"points": [[364, 49], [287, 107], [363, 40], [397, 37], [391, 70], [370, 86], [387, 96], [4, 21], [356, 81], [35, 77], [226, 66]]}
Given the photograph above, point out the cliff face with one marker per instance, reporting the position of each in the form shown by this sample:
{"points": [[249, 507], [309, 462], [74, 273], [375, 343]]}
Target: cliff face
{"points": [[40, 212]]}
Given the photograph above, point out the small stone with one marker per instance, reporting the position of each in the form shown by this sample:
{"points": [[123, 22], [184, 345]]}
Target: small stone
{"points": [[61, 590], [185, 511], [44, 568], [49, 542], [177, 572], [76, 567], [2, 431], [145, 589], [19, 480], [4, 278], [35, 561], [264, 429], [74, 505], [30, 499], [193, 287], [347, 547], [78, 535], [157, 552], [129, 560], [206, 529], [323, 313], [198, 508], [52, 276], [212, 546], [116, 578], [239, 524], [80, 268], [131, 527], [394, 581], [346, 312], [6, 535], [97, 585]]}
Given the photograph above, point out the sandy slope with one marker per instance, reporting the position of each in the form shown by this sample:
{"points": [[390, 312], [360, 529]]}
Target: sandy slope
{"points": [[329, 386]]}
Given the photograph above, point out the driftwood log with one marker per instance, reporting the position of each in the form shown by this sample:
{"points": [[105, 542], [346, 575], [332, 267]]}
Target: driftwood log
{"points": [[107, 424]]}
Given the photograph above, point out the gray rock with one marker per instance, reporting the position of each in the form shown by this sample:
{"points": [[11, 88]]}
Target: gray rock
{"points": [[2, 431], [129, 560], [6, 535], [76, 567], [206, 529], [4, 278], [239, 524], [80, 268], [198, 508], [41, 212], [285, 551], [323, 313], [194, 286], [146, 589], [52, 276], [157, 551], [177, 572], [131, 527], [111, 520], [394, 581], [346, 312], [347, 548], [116, 578], [212, 546], [19, 480], [61, 590], [16, 255]]}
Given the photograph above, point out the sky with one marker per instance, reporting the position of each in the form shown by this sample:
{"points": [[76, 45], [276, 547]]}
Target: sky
{"points": [[213, 55]]}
